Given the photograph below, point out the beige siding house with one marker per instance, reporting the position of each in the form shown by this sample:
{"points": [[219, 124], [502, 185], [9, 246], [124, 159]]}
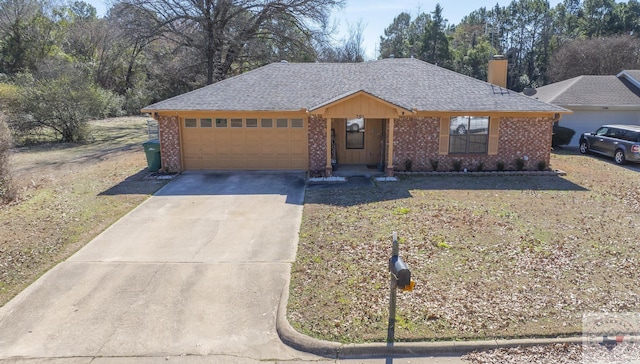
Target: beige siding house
{"points": [[315, 116], [595, 100]]}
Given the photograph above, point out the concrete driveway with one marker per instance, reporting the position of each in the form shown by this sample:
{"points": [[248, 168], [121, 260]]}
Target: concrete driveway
{"points": [[194, 272]]}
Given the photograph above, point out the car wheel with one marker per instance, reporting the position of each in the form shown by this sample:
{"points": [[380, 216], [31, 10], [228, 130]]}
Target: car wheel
{"points": [[618, 157], [461, 129], [584, 148]]}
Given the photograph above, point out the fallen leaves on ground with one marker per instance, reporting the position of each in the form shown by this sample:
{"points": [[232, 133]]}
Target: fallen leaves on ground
{"points": [[493, 257]]}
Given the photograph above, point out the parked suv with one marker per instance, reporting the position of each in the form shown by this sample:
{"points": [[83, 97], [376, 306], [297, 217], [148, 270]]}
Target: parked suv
{"points": [[622, 142]]}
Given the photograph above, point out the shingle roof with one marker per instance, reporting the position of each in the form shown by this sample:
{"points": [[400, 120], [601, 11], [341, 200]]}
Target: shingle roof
{"points": [[591, 91], [409, 83]]}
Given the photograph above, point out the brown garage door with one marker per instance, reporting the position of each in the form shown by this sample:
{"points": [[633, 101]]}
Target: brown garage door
{"points": [[245, 144]]}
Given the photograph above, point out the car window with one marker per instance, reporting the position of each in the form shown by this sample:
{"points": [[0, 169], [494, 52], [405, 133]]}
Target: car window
{"points": [[624, 135], [613, 133], [602, 131]]}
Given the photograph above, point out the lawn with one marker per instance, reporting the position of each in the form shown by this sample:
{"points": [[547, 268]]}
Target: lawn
{"points": [[493, 257], [69, 193]]}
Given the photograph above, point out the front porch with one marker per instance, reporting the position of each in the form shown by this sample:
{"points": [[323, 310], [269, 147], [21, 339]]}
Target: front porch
{"points": [[357, 170], [358, 130]]}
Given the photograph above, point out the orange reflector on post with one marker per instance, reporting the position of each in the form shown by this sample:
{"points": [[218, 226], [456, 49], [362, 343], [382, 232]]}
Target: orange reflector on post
{"points": [[410, 286]]}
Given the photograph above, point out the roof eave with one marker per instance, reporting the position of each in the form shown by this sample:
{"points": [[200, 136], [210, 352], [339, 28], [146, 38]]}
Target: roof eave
{"points": [[592, 107], [178, 111]]}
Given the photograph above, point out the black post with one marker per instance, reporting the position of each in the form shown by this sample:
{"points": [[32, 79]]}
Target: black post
{"points": [[393, 285]]}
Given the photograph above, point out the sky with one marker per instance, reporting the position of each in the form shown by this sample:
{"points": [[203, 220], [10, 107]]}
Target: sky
{"points": [[376, 15]]}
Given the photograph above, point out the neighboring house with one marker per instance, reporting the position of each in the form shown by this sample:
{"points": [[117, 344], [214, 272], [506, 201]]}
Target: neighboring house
{"points": [[301, 116], [595, 100]]}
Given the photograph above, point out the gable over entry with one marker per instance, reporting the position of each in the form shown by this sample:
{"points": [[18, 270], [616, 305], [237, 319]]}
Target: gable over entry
{"points": [[361, 105]]}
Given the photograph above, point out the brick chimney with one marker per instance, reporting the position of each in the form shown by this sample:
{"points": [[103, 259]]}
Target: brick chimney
{"points": [[497, 73]]}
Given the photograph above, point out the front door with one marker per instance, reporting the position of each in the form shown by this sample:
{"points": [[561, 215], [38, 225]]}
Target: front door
{"points": [[358, 141]]}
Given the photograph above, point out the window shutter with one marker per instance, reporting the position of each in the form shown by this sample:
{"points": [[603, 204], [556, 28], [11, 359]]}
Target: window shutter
{"points": [[494, 135], [444, 136]]}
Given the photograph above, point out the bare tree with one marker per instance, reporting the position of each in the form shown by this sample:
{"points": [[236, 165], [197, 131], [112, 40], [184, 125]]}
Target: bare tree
{"points": [[352, 49], [596, 56], [220, 29]]}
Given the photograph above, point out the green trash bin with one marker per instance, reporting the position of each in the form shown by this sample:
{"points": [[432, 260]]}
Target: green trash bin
{"points": [[152, 150]]}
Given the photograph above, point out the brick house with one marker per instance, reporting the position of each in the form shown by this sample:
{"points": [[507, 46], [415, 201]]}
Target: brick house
{"points": [[391, 113]]}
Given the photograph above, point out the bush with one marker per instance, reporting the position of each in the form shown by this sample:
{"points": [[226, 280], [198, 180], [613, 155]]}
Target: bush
{"points": [[500, 166], [110, 104], [407, 165], [434, 164], [457, 165], [542, 165], [61, 100], [8, 191], [561, 136], [520, 164]]}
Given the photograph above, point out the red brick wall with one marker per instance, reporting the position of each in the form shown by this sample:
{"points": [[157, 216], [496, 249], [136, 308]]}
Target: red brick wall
{"points": [[525, 137], [317, 145], [417, 139], [170, 143]]}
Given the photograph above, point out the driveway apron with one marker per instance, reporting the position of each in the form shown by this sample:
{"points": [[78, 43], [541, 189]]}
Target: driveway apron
{"points": [[196, 270]]}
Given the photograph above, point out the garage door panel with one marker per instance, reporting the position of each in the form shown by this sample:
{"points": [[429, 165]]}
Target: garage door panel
{"points": [[252, 149], [253, 136], [298, 149], [238, 150], [281, 149], [223, 149], [298, 163], [268, 136], [221, 136], [245, 148], [237, 137], [267, 149], [298, 137]]}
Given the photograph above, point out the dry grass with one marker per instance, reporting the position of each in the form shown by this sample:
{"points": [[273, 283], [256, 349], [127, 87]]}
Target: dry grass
{"points": [[493, 257], [68, 195]]}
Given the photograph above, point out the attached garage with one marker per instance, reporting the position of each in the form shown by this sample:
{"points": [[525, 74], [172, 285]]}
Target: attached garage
{"points": [[240, 143]]}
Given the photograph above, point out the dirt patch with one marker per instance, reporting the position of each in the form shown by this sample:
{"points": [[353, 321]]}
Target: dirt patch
{"points": [[493, 257], [68, 195]]}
